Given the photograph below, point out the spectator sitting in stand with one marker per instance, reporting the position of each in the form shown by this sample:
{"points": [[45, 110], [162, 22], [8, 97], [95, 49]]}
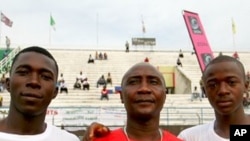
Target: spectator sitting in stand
{"points": [[246, 99], [63, 87], [146, 59], [202, 89], [81, 77], [109, 79], [2, 83], [100, 56], [105, 56], [179, 62], [60, 79], [235, 55], [77, 84], [85, 84], [181, 54], [195, 94], [104, 93], [91, 60], [101, 81]]}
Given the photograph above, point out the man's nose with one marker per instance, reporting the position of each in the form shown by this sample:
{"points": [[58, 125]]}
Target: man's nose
{"points": [[144, 87], [34, 80], [223, 88]]}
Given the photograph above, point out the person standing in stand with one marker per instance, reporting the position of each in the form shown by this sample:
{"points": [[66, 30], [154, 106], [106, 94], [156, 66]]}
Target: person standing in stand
{"points": [[7, 41]]}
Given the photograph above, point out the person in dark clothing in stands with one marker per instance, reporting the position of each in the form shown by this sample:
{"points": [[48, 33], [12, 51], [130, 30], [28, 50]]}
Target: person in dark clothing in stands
{"points": [[101, 81]]}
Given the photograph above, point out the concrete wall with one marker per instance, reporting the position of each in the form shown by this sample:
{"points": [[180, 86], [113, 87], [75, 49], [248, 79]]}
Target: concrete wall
{"points": [[182, 82]]}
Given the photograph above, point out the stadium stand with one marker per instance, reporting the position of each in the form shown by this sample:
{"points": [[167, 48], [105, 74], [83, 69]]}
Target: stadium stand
{"points": [[87, 107]]}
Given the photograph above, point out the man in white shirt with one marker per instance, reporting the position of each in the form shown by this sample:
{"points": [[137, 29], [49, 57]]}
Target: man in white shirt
{"points": [[32, 86], [225, 83]]}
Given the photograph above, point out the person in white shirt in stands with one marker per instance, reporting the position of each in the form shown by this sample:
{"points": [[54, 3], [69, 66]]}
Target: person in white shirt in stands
{"points": [[61, 78], [32, 86], [81, 77], [63, 87], [196, 94]]}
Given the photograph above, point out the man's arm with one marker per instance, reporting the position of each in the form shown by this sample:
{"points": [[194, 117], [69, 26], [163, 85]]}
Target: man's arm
{"points": [[95, 130]]}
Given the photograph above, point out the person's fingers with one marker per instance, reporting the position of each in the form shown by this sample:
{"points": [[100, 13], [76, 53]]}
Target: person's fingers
{"points": [[87, 135], [95, 130], [92, 129], [101, 131]]}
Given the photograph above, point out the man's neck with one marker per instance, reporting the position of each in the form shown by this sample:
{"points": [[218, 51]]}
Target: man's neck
{"points": [[18, 123], [222, 123]]}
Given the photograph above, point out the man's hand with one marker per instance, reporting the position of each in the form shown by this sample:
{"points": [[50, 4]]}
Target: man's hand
{"points": [[95, 130]]}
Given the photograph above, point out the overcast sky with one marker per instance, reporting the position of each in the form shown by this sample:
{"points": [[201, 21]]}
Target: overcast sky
{"points": [[109, 23]]}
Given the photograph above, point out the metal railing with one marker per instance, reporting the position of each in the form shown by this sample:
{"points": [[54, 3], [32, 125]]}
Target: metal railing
{"points": [[116, 116], [6, 61]]}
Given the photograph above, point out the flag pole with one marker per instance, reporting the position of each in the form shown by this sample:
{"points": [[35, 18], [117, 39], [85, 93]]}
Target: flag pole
{"points": [[49, 36], [234, 45], [50, 30], [97, 30], [233, 34], [143, 28]]}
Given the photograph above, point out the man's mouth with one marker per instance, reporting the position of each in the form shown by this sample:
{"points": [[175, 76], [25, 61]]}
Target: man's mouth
{"points": [[31, 95]]}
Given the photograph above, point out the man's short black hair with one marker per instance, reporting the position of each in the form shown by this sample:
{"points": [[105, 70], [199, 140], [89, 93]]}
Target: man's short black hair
{"points": [[225, 58], [36, 49]]}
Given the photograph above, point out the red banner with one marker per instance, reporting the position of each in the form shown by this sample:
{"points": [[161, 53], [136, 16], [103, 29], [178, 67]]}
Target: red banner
{"points": [[6, 20], [198, 37]]}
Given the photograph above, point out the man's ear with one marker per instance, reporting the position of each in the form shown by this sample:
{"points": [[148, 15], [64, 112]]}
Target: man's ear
{"points": [[7, 83], [204, 91], [246, 86], [55, 92]]}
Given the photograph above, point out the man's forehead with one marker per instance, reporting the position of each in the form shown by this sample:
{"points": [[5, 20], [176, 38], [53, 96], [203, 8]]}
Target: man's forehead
{"points": [[217, 67], [26, 56], [142, 67], [143, 70], [31, 58]]}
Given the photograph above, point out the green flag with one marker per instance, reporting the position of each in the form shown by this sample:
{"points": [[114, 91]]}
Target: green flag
{"points": [[233, 27], [52, 22]]}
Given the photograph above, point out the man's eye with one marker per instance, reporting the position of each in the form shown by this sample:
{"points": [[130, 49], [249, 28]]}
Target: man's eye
{"points": [[22, 72], [133, 81], [46, 77], [231, 83], [155, 82], [212, 85]]}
